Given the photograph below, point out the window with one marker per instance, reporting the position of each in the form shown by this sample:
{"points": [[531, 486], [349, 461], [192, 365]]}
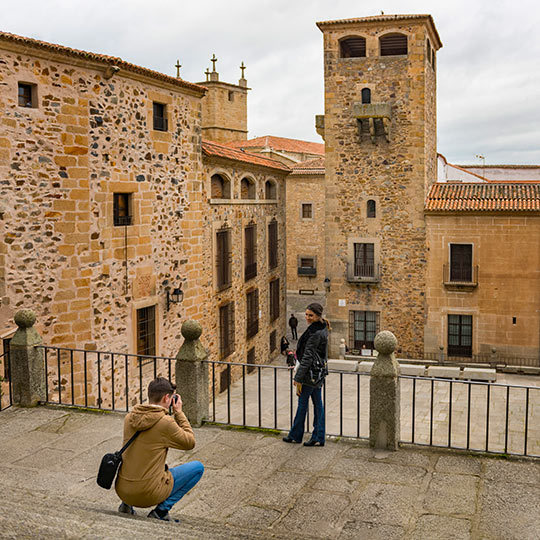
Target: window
{"points": [[251, 359], [273, 244], [250, 251], [160, 117], [307, 211], [461, 262], [226, 330], [393, 44], [363, 327], [220, 187], [272, 341], [274, 299], [364, 260], [270, 191], [371, 209], [223, 258], [366, 95], [122, 209], [460, 335], [307, 266], [27, 95], [352, 47], [231, 96], [146, 331], [252, 313], [247, 189]]}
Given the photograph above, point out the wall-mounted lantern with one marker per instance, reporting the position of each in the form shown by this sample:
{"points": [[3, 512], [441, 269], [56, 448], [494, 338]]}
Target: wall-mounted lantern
{"points": [[175, 297], [327, 284]]}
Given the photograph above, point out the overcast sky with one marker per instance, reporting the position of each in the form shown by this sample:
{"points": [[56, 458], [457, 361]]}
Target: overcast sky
{"points": [[488, 69]]}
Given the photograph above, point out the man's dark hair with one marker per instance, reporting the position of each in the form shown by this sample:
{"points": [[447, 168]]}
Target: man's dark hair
{"points": [[158, 388]]}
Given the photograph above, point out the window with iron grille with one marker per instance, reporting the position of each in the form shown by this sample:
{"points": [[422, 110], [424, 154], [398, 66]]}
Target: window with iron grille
{"points": [[251, 359], [250, 252], [393, 44], [371, 208], [223, 258], [226, 330], [146, 331], [364, 260], [274, 299], [460, 335], [160, 117], [461, 262], [272, 341], [122, 209], [363, 327], [252, 313], [307, 211], [27, 95], [353, 47], [273, 244]]}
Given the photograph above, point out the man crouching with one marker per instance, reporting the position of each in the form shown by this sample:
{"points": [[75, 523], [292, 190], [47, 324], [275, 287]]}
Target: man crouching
{"points": [[144, 478]]}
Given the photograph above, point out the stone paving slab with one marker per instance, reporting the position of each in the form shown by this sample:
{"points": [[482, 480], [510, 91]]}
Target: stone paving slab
{"points": [[255, 486]]}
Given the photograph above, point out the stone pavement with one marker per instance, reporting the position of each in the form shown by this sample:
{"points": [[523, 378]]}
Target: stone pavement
{"points": [[256, 486]]}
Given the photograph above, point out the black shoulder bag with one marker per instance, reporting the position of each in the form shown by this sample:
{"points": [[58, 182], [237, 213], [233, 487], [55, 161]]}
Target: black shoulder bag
{"points": [[110, 465]]}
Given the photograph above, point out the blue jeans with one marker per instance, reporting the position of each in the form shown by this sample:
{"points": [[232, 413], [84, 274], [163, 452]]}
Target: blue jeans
{"points": [[297, 430], [185, 477]]}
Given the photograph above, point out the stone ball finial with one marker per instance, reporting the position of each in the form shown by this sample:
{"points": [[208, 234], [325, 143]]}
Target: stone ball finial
{"points": [[25, 318], [191, 330], [385, 342]]}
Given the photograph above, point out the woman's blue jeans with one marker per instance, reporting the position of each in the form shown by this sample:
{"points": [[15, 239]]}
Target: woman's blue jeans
{"points": [[297, 430], [185, 477]]}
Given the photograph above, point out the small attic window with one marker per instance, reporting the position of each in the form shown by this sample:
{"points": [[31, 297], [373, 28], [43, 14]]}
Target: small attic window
{"points": [[231, 95], [393, 44], [366, 95], [27, 95], [352, 47]]}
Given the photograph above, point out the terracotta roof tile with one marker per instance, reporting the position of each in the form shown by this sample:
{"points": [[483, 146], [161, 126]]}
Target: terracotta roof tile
{"points": [[312, 166], [109, 60], [484, 197], [211, 148], [281, 143]]}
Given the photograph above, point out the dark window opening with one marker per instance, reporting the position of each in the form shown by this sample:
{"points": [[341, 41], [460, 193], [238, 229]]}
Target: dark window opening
{"points": [[371, 209], [363, 327], [364, 260], [274, 299], [252, 313], [272, 341], [514, 320], [160, 117], [220, 187], [122, 209], [5, 359], [273, 244], [353, 47], [223, 258], [460, 335], [247, 189], [461, 262], [226, 330], [146, 331], [270, 190], [26, 95], [307, 211], [251, 359], [366, 95], [250, 254], [307, 266], [231, 96], [393, 44]]}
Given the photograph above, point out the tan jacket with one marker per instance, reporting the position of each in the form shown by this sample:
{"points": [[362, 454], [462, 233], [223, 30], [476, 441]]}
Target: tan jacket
{"points": [[143, 479]]}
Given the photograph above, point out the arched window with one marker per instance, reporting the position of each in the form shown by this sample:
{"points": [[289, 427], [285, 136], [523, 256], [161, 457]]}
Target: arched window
{"points": [[371, 209], [247, 189], [393, 44], [366, 95], [352, 47], [220, 187], [270, 190]]}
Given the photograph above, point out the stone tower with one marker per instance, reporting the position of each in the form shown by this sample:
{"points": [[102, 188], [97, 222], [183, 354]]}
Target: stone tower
{"points": [[380, 133], [224, 108]]}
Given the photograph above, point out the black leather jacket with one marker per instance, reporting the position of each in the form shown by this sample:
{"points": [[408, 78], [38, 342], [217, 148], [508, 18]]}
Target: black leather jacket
{"points": [[312, 353]]}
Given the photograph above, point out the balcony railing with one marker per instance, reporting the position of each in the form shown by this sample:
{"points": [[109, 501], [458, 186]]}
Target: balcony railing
{"points": [[465, 278], [307, 271], [363, 273]]}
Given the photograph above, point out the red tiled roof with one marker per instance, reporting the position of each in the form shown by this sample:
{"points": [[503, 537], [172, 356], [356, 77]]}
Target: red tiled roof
{"points": [[109, 60], [312, 167], [214, 149], [484, 197], [281, 143]]}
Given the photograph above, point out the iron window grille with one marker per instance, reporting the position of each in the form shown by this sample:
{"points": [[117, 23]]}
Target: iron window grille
{"points": [[273, 244], [146, 331], [274, 299], [223, 259], [460, 335], [122, 209], [461, 263], [160, 117], [250, 255], [272, 341], [252, 313], [226, 330], [364, 260], [363, 327]]}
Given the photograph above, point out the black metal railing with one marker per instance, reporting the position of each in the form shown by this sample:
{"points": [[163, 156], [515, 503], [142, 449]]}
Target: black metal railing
{"points": [[363, 273], [466, 277], [6, 399]]}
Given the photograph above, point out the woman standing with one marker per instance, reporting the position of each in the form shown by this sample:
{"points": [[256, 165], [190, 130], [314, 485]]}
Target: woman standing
{"points": [[312, 355]]}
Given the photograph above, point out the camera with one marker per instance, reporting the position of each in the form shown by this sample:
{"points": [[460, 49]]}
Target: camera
{"points": [[175, 398]]}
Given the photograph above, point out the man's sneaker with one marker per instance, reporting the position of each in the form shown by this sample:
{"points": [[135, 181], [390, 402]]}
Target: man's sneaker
{"points": [[127, 509], [162, 515]]}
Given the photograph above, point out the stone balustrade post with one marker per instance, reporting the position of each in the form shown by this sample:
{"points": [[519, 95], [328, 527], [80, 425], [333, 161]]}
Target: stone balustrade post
{"points": [[192, 374], [384, 395], [27, 362]]}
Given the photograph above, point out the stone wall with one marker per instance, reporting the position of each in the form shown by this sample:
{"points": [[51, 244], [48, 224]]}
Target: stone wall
{"points": [[506, 249]]}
